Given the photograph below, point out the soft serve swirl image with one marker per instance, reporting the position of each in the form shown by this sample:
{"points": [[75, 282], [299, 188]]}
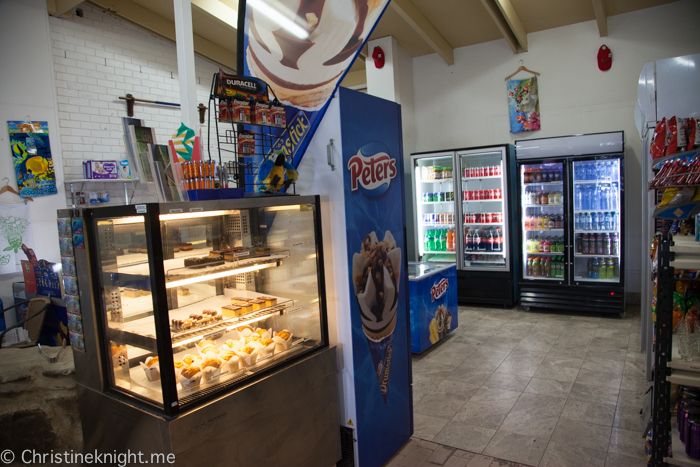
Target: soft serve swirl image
{"points": [[303, 62]]}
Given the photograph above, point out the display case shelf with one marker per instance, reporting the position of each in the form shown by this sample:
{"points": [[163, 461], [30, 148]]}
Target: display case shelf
{"points": [[466, 224], [428, 252], [540, 278], [437, 202], [587, 279], [595, 255], [476, 252], [597, 182], [595, 231], [550, 253], [500, 200], [438, 225], [544, 230], [543, 205], [444, 180]]}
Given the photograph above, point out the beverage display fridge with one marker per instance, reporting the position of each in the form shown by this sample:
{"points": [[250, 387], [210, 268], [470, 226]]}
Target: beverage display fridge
{"points": [[571, 199], [464, 215]]}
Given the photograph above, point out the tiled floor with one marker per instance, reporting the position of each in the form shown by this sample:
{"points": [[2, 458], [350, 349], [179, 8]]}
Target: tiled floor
{"points": [[510, 387]]}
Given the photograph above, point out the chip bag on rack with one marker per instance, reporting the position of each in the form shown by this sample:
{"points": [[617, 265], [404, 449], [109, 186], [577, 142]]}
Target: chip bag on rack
{"points": [[658, 142]]}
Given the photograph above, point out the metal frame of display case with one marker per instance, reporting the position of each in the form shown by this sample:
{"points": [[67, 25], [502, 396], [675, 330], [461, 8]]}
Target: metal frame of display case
{"points": [[173, 406]]}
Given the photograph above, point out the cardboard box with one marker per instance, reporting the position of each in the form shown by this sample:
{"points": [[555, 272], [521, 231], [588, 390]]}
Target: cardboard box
{"points": [[101, 170]]}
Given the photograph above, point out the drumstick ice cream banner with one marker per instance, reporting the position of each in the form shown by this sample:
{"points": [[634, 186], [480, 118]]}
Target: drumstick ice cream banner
{"points": [[303, 49], [375, 225]]}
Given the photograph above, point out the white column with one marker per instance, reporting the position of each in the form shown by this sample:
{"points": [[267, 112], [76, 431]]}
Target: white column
{"points": [[185, 62], [383, 82]]}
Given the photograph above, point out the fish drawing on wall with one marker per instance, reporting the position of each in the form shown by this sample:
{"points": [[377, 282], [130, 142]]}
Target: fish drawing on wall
{"points": [[31, 156]]}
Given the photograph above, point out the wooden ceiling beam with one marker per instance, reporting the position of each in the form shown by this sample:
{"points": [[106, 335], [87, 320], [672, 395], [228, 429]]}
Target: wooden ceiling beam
{"points": [[420, 24], [61, 7], [135, 14], [507, 21], [601, 17]]}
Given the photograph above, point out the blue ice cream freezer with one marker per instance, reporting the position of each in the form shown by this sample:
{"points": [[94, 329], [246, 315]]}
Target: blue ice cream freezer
{"points": [[432, 290]]}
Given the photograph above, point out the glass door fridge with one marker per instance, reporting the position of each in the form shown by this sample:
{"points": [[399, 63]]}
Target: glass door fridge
{"points": [[596, 221], [543, 222], [571, 198], [484, 211], [435, 208]]}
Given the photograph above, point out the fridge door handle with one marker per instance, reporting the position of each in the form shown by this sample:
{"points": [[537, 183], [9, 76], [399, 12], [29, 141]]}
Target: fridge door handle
{"points": [[329, 152]]}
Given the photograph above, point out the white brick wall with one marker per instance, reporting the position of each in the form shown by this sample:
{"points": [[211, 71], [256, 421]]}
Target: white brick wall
{"points": [[98, 58]]}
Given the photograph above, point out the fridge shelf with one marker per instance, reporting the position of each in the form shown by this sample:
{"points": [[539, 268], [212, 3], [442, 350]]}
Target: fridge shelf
{"points": [[476, 252], [444, 180], [595, 231], [429, 252], [482, 223], [607, 281], [550, 253], [542, 230], [437, 202], [580, 211], [469, 179], [438, 225], [589, 182], [543, 205], [594, 255], [543, 183], [481, 200], [540, 278]]}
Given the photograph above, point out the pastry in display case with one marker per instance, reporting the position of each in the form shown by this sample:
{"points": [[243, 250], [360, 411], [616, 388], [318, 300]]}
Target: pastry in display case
{"points": [[196, 298]]}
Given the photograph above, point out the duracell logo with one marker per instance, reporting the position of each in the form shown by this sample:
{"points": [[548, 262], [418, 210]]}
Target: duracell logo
{"points": [[241, 84]]}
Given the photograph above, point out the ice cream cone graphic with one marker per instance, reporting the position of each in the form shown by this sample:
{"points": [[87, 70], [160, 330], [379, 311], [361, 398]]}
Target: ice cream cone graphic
{"points": [[376, 274]]}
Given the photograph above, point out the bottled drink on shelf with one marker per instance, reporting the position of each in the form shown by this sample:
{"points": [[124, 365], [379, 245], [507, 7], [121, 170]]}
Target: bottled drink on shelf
{"points": [[468, 240], [588, 222], [476, 240], [586, 244], [603, 269], [450, 240], [615, 244], [607, 244]]}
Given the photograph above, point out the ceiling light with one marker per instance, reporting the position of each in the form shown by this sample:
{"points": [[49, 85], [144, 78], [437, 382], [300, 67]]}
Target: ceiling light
{"points": [[274, 14]]}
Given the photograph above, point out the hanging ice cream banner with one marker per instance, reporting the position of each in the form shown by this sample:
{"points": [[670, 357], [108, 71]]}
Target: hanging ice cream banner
{"points": [[303, 51], [31, 155], [373, 185]]}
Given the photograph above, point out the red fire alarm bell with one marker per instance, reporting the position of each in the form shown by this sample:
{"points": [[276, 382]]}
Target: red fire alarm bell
{"points": [[604, 58], [378, 56]]}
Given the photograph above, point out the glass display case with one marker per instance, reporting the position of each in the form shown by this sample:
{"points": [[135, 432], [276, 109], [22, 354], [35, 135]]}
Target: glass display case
{"points": [[193, 299]]}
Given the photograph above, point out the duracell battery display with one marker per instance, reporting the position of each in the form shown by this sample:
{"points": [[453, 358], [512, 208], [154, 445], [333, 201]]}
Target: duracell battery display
{"points": [[199, 175]]}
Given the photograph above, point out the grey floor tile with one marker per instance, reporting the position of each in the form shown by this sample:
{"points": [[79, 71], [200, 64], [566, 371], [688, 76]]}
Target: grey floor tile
{"points": [[470, 378], [592, 412], [455, 388], [426, 426], [545, 406], [629, 418], [456, 462], [498, 396], [603, 365], [480, 461], [564, 374], [619, 460], [630, 399], [600, 394], [507, 381], [462, 435], [530, 424], [627, 442], [599, 378], [562, 360], [440, 455], [567, 455], [504, 341], [533, 344], [486, 415], [548, 387], [518, 448], [634, 383], [578, 433], [416, 457], [439, 405], [481, 363], [520, 365], [610, 354]]}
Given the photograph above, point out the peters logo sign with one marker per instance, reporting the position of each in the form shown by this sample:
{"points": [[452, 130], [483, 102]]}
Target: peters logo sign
{"points": [[439, 289], [372, 169]]}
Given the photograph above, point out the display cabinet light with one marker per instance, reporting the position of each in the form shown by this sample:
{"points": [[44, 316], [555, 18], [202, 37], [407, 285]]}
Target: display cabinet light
{"points": [[192, 215], [293, 207], [218, 275], [126, 220]]}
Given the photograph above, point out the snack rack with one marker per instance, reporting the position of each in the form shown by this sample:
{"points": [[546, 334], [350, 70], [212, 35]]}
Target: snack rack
{"points": [[241, 166], [660, 182]]}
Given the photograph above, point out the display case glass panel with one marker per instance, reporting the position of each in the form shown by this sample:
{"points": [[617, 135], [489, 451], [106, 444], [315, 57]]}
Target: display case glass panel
{"points": [[544, 238], [597, 214], [484, 213], [239, 292], [435, 207]]}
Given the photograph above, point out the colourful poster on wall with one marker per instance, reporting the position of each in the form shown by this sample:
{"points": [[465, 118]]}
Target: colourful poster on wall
{"points": [[15, 231], [523, 105], [303, 50], [31, 155]]}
